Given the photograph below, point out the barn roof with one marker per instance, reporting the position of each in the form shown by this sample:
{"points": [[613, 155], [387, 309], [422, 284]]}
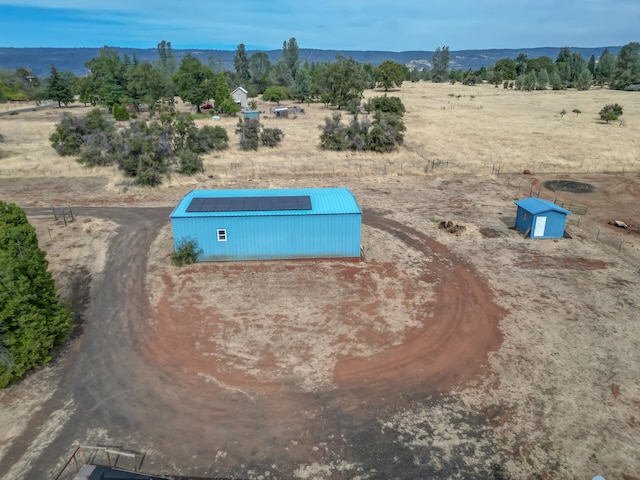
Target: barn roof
{"points": [[536, 205], [243, 203]]}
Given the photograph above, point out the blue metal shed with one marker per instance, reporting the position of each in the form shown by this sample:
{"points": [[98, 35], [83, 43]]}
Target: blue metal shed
{"points": [[537, 218], [270, 224]]}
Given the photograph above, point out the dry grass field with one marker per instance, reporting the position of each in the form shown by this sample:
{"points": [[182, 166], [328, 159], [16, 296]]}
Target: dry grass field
{"points": [[477, 355]]}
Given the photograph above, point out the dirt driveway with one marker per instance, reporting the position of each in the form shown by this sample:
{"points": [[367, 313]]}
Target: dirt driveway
{"points": [[435, 356]]}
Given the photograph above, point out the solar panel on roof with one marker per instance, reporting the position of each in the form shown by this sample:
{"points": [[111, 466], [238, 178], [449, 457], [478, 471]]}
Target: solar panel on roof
{"points": [[249, 204]]}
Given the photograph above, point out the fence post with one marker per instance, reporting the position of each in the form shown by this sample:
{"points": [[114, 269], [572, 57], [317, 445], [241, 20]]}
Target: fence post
{"points": [[620, 246], [598, 235], [53, 208]]}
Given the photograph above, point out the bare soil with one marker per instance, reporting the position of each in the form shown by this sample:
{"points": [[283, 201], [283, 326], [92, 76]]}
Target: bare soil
{"points": [[478, 354]]}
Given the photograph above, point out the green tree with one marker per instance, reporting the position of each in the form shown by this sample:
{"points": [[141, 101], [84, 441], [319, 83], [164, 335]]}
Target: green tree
{"points": [[521, 64], [194, 81], [540, 63], [249, 131], [505, 69], [440, 64], [275, 94], [343, 82], [32, 320], [241, 63], [543, 79], [221, 90], [280, 74], [166, 66], [389, 74], [259, 66], [583, 82], [302, 85], [145, 85], [555, 80], [530, 81], [606, 68], [59, 88], [628, 66], [108, 74], [592, 65], [291, 55]]}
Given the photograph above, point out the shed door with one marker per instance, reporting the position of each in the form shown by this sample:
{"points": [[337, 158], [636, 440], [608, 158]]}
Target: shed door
{"points": [[541, 223]]}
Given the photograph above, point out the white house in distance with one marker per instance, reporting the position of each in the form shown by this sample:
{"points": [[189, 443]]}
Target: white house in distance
{"points": [[241, 97]]}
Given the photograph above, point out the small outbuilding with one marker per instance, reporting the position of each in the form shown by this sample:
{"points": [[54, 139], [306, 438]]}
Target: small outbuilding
{"points": [[241, 97], [537, 218], [251, 114], [269, 224]]}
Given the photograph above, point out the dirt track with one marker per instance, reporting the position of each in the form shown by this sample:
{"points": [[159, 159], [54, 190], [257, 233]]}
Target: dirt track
{"points": [[363, 376], [159, 395]]}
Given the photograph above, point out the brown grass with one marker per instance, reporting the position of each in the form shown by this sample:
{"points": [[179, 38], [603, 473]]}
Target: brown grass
{"points": [[453, 128]]}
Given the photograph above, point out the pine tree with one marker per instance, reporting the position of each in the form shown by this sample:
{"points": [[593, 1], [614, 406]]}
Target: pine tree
{"points": [[59, 88], [32, 320]]}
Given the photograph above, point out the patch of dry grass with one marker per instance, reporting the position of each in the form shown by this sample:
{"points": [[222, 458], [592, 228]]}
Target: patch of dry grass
{"points": [[450, 129]]}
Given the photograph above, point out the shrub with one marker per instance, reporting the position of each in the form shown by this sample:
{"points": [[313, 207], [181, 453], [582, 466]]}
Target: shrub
{"points": [[334, 134], [208, 138], [270, 137], [385, 104], [120, 112], [186, 253], [610, 112], [249, 131], [386, 132], [189, 162]]}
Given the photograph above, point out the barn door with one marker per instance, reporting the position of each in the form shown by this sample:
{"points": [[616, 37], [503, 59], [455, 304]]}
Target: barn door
{"points": [[541, 223]]}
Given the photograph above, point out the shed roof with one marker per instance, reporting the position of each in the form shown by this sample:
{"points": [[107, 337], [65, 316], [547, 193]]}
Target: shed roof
{"points": [[324, 201], [239, 89], [536, 205]]}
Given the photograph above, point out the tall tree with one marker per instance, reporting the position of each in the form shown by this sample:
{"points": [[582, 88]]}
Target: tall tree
{"points": [[302, 85], [108, 73], [606, 68], [291, 55], [145, 85], [440, 64], [59, 88], [592, 65], [194, 81], [32, 320], [628, 66], [280, 74], [390, 74], [505, 69], [166, 65], [241, 63], [343, 82], [521, 64], [259, 66], [584, 79]]}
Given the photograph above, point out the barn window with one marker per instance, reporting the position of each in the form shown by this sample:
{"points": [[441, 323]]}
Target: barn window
{"points": [[222, 235]]}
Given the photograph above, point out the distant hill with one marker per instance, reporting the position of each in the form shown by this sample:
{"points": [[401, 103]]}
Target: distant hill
{"points": [[39, 60]]}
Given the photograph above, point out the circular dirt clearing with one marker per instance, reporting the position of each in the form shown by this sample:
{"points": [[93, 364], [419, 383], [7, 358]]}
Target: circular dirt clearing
{"points": [[410, 315], [568, 186]]}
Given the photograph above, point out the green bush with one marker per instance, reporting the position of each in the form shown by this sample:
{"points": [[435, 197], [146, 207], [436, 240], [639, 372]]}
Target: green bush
{"points": [[189, 162], [334, 134], [32, 320], [120, 112], [186, 252], [270, 137], [249, 131], [208, 138], [385, 104], [610, 112]]}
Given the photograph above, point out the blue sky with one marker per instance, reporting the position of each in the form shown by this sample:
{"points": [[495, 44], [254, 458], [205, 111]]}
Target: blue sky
{"points": [[392, 25]]}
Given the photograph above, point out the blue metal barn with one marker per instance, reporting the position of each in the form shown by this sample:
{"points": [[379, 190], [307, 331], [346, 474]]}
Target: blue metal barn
{"points": [[537, 218], [231, 225]]}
